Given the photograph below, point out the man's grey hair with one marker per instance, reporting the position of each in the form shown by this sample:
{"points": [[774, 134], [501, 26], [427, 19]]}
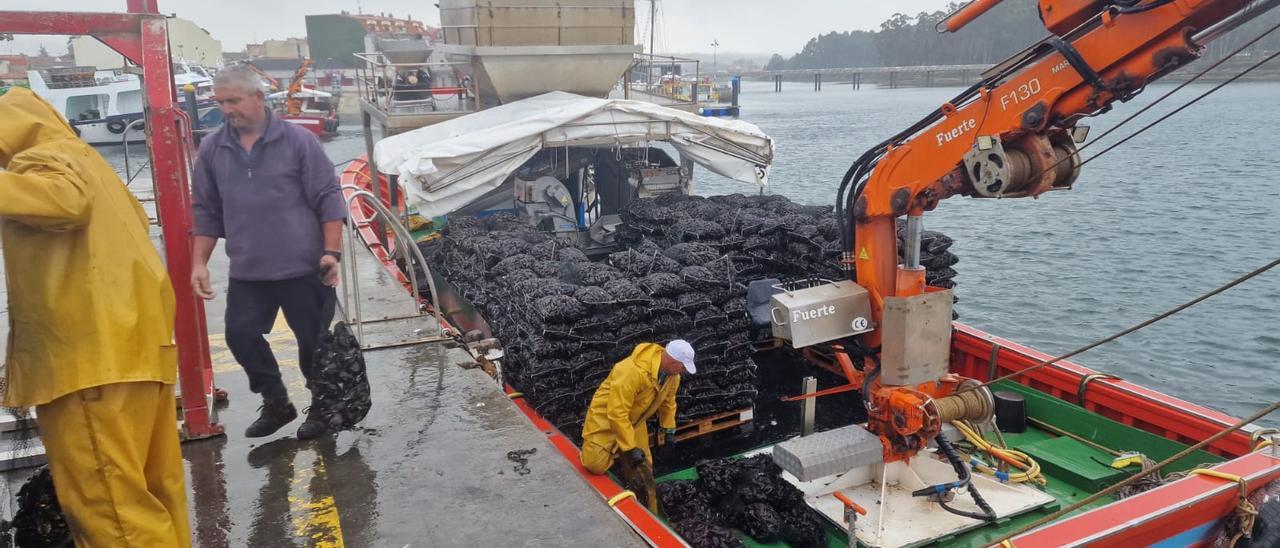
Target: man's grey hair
{"points": [[240, 76]]}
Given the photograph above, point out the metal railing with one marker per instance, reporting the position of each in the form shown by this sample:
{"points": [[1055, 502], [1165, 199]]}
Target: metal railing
{"points": [[406, 243], [124, 141], [380, 83], [641, 80]]}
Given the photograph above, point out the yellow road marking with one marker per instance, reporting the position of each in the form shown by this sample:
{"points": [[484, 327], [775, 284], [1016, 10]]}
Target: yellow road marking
{"points": [[281, 340], [314, 512]]}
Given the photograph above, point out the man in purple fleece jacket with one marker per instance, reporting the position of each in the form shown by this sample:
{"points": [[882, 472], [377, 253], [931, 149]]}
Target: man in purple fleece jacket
{"points": [[266, 186]]}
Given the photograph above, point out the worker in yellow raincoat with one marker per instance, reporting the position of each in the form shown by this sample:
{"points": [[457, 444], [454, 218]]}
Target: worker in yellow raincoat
{"points": [[90, 333], [639, 386]]}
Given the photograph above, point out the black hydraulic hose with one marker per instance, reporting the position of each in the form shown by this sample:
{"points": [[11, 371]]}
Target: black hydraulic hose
{"points": [[866, 385], [844, 205], [1133, 7], [852, 176], [845, 198], [965, 480]]}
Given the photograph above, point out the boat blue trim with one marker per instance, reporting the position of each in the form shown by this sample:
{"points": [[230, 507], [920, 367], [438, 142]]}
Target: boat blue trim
{"points": [[1190, 537]]}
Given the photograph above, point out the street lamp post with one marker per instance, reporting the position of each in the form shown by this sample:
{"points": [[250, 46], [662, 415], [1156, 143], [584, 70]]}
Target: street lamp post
{"points": [[714, 65]]}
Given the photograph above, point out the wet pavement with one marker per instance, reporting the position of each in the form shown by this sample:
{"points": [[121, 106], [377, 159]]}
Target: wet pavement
{"points": [[427, 467]]}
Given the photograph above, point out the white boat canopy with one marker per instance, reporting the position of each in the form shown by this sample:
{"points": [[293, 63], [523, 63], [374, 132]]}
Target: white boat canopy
{"points": [[446, 166], [304, 93]]}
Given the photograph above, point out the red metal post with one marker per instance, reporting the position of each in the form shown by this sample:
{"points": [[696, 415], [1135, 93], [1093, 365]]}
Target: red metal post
{"points": [[168, 139], [144, 6], [142, 37]]}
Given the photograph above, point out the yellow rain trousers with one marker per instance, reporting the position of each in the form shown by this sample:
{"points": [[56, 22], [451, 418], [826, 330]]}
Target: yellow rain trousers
{"points": [[621, 407], [90, 332]]}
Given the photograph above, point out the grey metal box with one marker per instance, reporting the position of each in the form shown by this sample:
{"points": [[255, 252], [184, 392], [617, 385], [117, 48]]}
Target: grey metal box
{"points": [[831, 452], [916, 347], [822, 313]]}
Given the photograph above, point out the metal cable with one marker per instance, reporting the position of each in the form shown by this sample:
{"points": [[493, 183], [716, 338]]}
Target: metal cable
{"points": [[1160, 99], [1131, 479], [1139, 326], [1183, 107]]}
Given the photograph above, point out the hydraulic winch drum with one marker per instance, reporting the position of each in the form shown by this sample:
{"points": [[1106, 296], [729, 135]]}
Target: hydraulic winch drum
{"points": [[971, 402]]}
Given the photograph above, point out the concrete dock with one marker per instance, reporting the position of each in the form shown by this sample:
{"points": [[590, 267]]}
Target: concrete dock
{"points": [[427, 467]]}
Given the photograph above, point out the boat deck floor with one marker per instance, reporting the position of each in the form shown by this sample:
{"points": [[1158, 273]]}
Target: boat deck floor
{"points": [[1074, 467], [427, 467]]}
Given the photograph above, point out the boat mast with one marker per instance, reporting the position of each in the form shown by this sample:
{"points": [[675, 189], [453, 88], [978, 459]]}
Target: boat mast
{"points": [[653, 25]]}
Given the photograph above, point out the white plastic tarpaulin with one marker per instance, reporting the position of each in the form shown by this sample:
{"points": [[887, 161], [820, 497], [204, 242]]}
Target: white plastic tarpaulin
{"points": [[448, 165], [304, 93]]}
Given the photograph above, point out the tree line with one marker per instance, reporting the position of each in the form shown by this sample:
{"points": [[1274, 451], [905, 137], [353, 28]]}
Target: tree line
{"points": [[905, 40]]}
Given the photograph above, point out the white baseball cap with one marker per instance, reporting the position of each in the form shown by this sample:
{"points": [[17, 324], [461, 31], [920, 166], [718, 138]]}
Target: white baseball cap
{"points": [[682, 352]]}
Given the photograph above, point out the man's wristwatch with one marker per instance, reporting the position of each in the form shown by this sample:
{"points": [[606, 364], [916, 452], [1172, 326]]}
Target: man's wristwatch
{"points": [[335, 254]]}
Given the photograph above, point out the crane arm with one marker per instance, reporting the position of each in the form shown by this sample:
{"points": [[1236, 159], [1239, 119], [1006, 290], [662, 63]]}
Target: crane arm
{"points": [[275, 84], [1011, 135], [293, 105]]}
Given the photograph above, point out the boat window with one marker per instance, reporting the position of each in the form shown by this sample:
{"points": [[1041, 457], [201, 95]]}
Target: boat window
{"points": [[87, 107], [129, 101]]}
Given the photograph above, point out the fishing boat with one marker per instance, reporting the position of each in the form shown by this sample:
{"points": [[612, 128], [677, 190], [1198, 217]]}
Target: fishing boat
{"points": [[317, 110], [1081, 430], [1039, 451], [103, 105]]}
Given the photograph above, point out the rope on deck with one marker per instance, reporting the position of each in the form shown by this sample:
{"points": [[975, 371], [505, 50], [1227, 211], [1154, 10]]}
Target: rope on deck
{"points": [[1138, 476], [1245, 512]]}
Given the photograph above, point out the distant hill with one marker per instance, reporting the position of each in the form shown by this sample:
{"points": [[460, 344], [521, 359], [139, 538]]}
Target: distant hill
{"points": [[906, 40]]}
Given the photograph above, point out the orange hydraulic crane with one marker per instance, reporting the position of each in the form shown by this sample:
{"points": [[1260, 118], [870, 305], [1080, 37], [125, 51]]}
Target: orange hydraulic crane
{"points": [[293, 105], [1013, 134]]}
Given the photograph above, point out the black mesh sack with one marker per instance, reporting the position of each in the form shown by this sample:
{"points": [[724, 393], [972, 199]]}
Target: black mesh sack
{"points": [[626, 293], [663, 285], [549, 268], [559, 309], [803, 528], [762, 522], [513, 263], [701, 534], [572, 255], [692, 302], [39, 520], [589, 273], [594, 297], [340, 384], [691, 253]]}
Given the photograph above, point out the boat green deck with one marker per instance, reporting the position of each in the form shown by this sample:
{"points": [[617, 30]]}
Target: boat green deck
{"points": [[1074, 469]]}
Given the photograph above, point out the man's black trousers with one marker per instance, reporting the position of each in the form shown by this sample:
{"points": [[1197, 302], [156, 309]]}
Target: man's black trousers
{"points": [[252, 307]]}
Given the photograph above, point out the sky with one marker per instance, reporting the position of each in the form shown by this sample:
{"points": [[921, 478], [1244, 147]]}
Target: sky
{"points": [[684, 26]]}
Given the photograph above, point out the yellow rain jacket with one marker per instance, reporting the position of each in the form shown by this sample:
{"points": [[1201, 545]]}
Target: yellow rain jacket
{"points": [[616, 420], [89, 300]]}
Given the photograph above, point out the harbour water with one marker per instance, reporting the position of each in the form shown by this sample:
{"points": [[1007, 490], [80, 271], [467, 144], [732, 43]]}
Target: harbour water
{"points": [[1178, 210], [1182, 208]]}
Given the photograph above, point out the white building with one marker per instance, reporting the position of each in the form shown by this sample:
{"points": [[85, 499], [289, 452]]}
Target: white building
{"points": [[187, 41]]}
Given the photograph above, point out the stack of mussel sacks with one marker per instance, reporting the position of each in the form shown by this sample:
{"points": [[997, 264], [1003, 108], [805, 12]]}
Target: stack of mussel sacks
{"points": [[681, 272], [564, 320]]}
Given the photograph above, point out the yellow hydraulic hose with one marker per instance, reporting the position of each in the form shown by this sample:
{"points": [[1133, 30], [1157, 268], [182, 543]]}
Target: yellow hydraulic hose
{"points": [[1030, 468]]}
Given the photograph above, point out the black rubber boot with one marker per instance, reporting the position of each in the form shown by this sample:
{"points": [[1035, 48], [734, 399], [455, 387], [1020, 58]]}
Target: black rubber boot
{"points": [[275, 414], [313, 427]]}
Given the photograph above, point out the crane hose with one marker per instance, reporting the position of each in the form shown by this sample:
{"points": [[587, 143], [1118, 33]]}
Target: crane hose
{"points": [[1030, 468]]}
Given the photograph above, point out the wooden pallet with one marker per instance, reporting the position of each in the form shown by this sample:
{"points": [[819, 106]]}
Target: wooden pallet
{"points": [[707, 425], [822, 360], [765, 345]]}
